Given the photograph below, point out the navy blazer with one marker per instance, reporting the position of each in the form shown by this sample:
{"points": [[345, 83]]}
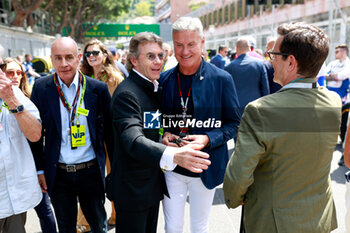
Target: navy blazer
{"points": [[214, 96], [219, 61], [45, 97], [249, 75]]}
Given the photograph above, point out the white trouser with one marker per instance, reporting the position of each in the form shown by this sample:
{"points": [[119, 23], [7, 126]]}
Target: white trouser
{"points": [[200, 199], [347, 204]]}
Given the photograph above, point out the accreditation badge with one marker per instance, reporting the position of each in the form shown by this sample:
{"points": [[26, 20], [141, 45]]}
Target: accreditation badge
{"points": [[83, 111], [78, 135]]}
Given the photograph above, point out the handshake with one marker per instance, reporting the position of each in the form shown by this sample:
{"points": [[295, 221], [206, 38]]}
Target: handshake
{"points": [[187, 151]]}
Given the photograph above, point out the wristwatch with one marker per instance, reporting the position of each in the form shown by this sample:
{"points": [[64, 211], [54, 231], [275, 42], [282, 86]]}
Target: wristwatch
{"points": [[18, 109]]}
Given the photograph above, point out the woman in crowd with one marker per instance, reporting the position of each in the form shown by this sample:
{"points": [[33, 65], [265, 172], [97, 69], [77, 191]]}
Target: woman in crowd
{"points": [[14, 71], [98, 63]]}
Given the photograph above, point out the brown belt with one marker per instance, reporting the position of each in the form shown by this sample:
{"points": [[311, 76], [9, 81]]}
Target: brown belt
{"points": [[76, 167]]}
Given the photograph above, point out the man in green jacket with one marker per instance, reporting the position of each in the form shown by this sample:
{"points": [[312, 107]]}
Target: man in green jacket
{"points": [[280, 168]]}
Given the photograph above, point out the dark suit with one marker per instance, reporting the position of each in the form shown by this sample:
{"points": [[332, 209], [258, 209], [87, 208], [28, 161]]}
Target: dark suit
{"points": [[214, 97], [249, 75], [219, 61], [137, 182], [45, 97]]}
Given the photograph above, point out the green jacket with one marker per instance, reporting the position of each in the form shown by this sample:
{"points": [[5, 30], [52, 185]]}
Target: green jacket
{"points": [[281, 164]]}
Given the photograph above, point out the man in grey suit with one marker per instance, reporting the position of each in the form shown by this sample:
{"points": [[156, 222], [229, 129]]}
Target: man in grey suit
{"points": [[249, 75], [281, 164]]}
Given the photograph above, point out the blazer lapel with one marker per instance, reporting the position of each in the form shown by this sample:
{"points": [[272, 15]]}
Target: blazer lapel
{"points": [[54, 104], [90, 102]]}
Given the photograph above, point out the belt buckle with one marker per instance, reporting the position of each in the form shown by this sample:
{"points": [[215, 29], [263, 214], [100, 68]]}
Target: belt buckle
{"points": [[71, 168]]}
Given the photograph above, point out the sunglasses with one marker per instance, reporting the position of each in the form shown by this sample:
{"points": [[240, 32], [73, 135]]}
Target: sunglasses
{"points": [[94, 53], [11, 73], [152, 56]]}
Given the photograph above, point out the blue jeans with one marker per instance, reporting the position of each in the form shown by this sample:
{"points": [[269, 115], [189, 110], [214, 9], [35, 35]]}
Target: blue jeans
{"points": [[85, 185], [45, 214]]}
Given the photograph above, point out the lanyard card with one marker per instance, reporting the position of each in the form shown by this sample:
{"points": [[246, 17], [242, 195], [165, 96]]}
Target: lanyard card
{"points": [[82, 111], [78, 135]]}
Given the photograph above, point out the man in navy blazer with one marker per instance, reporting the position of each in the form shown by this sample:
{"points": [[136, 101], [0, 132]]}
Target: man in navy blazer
{"points": [[219, 59], [198, 93], [70, 157], [249, 75]]}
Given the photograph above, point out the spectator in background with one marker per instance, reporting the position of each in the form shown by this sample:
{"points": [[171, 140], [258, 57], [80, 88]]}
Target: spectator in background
{"points": [[14, 71], [169, 59], [249, 75], [274, 87], [337, 76], [252, 52], [338, 72], [124, 56], [99, 63], [121, 66], [219, 59], [19, 122], [28, 68]]}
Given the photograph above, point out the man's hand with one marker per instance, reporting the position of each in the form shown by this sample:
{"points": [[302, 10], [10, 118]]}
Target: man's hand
{"points": [[42, 183], [168, 138], [196, 139], [6, 92], [191, 158], [332, 77]]}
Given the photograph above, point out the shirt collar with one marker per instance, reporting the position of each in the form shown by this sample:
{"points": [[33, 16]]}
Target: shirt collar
{"points": [[155, 82], [75, 80]]}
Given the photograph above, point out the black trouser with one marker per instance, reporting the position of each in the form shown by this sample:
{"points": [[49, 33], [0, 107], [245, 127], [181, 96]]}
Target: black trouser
{"points": [[85, 184], [137, 221]]}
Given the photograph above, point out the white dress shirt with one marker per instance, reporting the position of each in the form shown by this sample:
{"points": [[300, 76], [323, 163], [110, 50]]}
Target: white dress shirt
{"points": [[19, 187], [340, 68], [167, 160], [82, 153]]}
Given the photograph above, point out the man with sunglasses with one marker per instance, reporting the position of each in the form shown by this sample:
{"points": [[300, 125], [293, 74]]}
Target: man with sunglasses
{"points": [[219, 59], [281, 164], [20, 190], [137, 179], [71, 156]]}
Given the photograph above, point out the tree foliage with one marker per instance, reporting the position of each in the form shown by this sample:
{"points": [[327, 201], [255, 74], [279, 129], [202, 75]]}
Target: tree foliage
{"points": [[23, 11], [142, 9], [72, 14]]}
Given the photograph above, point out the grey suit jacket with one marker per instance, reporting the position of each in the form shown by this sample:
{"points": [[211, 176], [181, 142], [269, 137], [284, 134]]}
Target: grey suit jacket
{"points": [[281, 164]]}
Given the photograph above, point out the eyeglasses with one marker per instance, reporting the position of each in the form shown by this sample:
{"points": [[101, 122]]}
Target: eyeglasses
{"points": [[272, 55], [94, 53], [11, 73], [152, 56]]}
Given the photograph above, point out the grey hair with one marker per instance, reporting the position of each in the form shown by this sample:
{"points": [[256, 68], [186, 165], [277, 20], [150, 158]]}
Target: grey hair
{"points": [[188, 24], [140, 38]]}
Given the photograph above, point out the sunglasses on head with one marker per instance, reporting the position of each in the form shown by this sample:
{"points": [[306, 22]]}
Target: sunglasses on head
{"points": [[152, 56], [94, 53], [11, 73]]}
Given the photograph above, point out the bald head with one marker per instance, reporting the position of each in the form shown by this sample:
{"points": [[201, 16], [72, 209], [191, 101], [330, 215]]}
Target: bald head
{"points": [[242, 46], [64, 42]]}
